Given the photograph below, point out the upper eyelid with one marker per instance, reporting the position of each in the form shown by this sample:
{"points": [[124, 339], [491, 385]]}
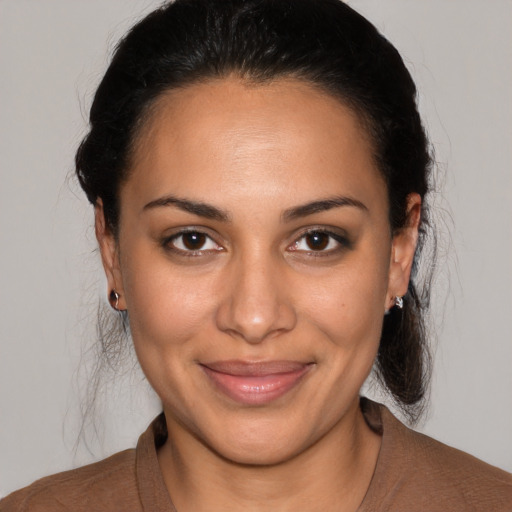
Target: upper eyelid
{"points": [[328, 230], [175, 233]]}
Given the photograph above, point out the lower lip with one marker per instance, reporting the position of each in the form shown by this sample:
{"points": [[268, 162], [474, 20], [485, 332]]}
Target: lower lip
{"points": [[256, 390]]}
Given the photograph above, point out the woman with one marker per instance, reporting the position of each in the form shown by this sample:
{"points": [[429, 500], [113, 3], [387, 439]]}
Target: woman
{"points": [[259, 175]]}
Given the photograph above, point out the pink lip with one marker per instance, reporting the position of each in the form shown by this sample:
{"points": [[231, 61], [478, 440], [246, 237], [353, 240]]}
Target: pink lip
{"points": [[255, 383]]}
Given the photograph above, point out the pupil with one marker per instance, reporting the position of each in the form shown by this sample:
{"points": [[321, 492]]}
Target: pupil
{"points": [[194, 241], [317, 241]]}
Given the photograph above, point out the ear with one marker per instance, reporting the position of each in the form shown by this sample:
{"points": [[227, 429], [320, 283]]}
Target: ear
{"points": [[109, 254], [402, 251]]}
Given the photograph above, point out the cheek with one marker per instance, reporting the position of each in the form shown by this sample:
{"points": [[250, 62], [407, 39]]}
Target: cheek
{"points": [[348, 304], [170, 313], [167, 306]]}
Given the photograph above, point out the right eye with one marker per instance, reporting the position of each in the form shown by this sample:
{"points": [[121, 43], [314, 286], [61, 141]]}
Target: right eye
{"points": [[191, 243]]}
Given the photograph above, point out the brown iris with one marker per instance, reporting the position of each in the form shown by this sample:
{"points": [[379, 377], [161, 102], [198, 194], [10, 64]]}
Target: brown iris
{"points": [[193, 240], [317, 241]]}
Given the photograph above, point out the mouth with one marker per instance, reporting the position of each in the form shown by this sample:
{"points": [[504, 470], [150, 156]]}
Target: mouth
{"points": [[255, 383]]}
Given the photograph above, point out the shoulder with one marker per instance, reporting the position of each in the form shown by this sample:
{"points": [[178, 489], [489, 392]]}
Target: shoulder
{"points": [[106, 485], [455, 473], [420, 473]]}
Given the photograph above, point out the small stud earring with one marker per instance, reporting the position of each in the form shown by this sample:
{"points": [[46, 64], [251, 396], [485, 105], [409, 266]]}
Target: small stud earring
{"points": [[399, 302], [113, 298]]}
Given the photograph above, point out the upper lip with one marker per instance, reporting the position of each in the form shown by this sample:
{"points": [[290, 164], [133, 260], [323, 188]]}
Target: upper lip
{"points": [[255, 369]]}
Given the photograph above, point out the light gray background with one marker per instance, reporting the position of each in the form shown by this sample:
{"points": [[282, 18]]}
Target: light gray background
{"points": [[52, 54]]}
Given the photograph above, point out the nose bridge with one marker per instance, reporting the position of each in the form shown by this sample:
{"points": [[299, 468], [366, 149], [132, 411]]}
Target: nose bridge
{"points": [[256, 304]]}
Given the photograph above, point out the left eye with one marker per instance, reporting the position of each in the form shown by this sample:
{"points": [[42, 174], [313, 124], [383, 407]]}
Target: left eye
{"points": [[193, 241], [317, 241]]}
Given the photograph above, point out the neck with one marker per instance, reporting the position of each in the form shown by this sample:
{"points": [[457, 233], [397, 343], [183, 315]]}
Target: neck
{"points": [[331, 475]]}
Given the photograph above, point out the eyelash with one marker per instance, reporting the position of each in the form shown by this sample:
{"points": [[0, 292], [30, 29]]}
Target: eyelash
{"points": [[341, 241]]}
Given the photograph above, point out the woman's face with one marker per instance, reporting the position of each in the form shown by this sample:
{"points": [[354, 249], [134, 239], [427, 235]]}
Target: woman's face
{"points": [[256, 262]]}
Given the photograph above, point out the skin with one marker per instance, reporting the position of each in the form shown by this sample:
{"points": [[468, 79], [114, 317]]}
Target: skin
{"points": [[256, 290]]}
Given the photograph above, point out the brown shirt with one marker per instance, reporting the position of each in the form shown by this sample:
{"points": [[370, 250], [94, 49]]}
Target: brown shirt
{"points": [[413, 473]]}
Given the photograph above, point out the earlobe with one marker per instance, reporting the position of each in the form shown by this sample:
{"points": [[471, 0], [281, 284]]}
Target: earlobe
{"points": [[403, 250], [109, 256]]}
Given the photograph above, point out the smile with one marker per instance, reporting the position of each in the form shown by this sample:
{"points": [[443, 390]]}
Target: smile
{"points": [[255, 383]]}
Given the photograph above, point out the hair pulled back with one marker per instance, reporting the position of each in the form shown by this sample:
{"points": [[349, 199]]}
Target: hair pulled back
{"points": [[322, 42]]}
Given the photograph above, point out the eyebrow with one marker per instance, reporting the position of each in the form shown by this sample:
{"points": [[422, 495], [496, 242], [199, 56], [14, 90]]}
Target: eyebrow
{"points": [[320, 206], [195, 207], [213, 213]]}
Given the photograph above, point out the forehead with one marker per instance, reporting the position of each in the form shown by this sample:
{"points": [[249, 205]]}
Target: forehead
{"points": [[226, 137]]}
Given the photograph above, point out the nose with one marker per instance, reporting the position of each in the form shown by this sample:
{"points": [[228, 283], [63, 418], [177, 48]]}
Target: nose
{"points": [[255, 302]]}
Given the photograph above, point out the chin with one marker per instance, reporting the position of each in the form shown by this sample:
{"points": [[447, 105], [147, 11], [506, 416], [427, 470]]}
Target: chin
{"points": [[257, 454], [259, 443]]}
